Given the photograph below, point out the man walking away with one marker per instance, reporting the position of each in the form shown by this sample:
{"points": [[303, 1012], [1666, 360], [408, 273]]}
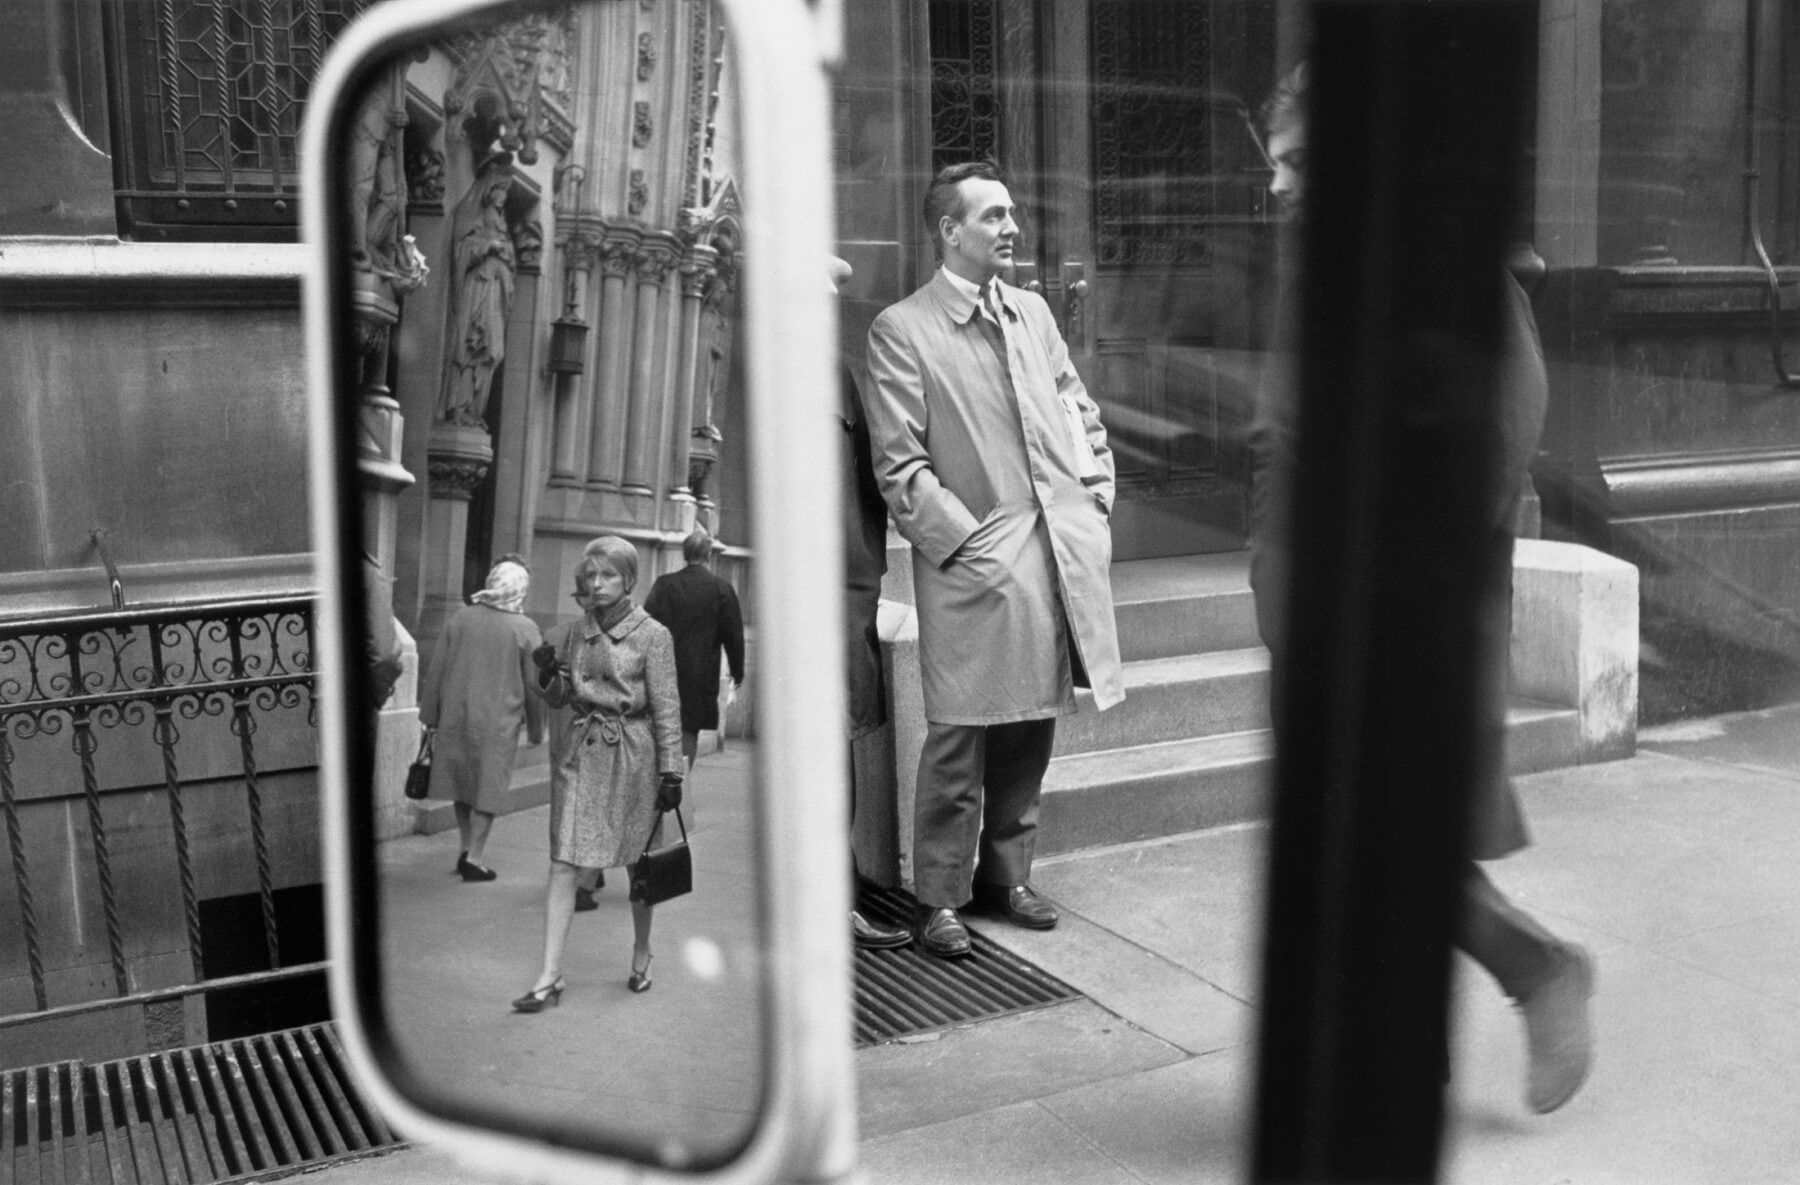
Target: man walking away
{"points": [[701, 610]]}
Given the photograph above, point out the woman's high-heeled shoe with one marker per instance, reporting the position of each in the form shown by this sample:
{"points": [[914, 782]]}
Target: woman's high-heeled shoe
{"points": [[538, 999], [472, 871], [640, 980]]}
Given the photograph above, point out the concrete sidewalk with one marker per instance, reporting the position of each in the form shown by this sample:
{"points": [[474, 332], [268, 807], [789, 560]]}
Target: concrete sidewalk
{"points": [[1677, 868]]}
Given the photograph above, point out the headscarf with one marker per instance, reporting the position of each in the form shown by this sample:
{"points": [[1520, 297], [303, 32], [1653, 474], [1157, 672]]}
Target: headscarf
{"points": [[507, 584]]}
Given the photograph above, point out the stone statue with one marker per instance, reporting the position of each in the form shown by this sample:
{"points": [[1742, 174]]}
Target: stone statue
{"points": [[482, 266]]}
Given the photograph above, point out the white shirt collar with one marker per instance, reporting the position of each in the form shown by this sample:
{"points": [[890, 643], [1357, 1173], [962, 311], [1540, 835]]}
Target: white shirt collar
{"points": [[968, 288]]}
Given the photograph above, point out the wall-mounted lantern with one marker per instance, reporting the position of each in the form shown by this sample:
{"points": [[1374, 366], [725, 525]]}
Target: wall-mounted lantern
{"points": [[568, 346]]}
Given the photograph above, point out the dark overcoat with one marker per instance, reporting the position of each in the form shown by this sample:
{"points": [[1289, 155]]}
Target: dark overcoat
{"points": [[1497, 824], [974, 448], [700, 610], [865, 563]]}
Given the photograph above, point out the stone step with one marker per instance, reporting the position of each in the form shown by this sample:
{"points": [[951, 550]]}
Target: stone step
{"points": [[1140, 792], [1120, 795], [1183, 605], [1167, 699]]}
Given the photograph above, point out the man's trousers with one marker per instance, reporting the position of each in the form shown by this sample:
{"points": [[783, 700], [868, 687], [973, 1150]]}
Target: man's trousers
{"points": [[975, 812]]}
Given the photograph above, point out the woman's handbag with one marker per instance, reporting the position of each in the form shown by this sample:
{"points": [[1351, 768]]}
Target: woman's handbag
{"points": [[418, 775], [665, 872]]}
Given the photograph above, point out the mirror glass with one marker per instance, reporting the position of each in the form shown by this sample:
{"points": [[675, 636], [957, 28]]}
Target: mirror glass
{"points": [[541, 224]]}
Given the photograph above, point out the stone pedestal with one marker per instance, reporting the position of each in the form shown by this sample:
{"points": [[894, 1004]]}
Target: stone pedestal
{"points": [[458, 459], [396, 744], [1575, 639]]}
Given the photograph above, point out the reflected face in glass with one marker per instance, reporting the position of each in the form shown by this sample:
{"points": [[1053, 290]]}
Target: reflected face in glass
{"points": [[1287, 151], [979, 245]]}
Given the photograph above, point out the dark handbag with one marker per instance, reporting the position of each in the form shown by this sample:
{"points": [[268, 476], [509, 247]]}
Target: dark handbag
{"points": [[665, 872], [418, 775]]}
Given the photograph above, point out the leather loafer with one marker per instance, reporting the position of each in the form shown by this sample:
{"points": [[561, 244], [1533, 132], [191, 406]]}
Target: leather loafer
{"points": [[874, 936], [942, 934], [1019, 905]]}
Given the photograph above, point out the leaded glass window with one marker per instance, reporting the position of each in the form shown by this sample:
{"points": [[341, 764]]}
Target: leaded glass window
{"points": [[965, 108], [209, 96]]}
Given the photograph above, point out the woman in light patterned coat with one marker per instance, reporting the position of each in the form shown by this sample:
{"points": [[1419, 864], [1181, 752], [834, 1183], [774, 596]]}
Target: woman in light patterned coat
{"points": [[615, 756]]}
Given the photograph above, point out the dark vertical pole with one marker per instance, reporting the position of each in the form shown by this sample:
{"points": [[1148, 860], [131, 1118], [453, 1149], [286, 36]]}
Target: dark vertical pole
{"points": [[1416, 115]]}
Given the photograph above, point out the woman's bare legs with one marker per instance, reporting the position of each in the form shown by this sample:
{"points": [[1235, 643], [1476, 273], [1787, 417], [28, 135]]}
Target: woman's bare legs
{"points": [[640, 942], [559, 909]]}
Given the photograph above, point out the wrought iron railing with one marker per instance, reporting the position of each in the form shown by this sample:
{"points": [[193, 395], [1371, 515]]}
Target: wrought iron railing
{"points": [[134, 674]]}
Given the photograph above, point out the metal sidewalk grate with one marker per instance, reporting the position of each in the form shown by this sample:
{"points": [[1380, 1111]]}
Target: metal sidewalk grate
{"points": [[231, 1111], [906, 991]]}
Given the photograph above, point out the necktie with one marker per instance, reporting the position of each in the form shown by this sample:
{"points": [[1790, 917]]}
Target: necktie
{"points": [[990, 304]]}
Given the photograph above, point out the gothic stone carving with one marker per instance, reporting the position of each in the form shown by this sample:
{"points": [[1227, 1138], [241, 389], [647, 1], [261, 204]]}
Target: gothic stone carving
{"points": [[499, 90], [483, 262]]}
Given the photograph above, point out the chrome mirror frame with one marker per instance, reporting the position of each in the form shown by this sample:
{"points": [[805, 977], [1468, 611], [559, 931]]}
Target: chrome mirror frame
{"points": [[805, 1126]]}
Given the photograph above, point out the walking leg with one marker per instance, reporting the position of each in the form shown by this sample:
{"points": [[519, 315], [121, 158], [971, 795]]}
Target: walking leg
{"points": [[1550, 980], [640, 947], [559, 908], [475, 833]]}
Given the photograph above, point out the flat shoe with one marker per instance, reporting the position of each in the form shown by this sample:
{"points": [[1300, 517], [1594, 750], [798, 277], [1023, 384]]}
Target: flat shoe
{"points": [[1023, 907], [1559, 1034], [873, 936], [472, 871], [943, 934]]}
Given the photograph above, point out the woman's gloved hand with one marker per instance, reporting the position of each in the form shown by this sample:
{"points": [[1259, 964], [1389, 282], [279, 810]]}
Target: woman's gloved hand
{"points": [[668, 792], [545, 658]]}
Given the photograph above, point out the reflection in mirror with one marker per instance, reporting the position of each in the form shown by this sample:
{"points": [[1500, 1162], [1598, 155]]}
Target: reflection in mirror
{"points": [[542, 224]]}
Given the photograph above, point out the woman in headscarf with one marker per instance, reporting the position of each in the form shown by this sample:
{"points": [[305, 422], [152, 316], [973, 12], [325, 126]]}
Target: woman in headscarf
{"points": [[615, 756], [474, 702]]}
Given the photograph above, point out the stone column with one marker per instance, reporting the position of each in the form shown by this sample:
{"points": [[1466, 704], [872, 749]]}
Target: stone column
{"points": [[649, 376], [519, 462], [697, 270], [606, 450], [569, 446], [460, 457]]}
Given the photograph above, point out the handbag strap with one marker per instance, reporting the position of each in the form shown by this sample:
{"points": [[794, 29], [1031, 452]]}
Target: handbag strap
{"points": [[425, 746], [678, 819]]}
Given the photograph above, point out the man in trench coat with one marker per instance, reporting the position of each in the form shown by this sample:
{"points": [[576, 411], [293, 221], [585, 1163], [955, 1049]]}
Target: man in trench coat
{"points": [[994, 463]]}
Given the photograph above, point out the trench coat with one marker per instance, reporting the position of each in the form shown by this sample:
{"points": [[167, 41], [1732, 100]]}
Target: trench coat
{"points": [[975, 453], [475, 699], [1497, 821], [700, 611], [620, 730]]}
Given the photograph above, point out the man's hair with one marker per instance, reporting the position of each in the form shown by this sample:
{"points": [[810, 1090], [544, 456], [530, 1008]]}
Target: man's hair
{"points": [[1286, 106], [697, 547], [944, 200]]}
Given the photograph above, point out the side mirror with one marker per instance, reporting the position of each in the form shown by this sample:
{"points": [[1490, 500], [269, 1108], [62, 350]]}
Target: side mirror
{"points": [[550, 265]]}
